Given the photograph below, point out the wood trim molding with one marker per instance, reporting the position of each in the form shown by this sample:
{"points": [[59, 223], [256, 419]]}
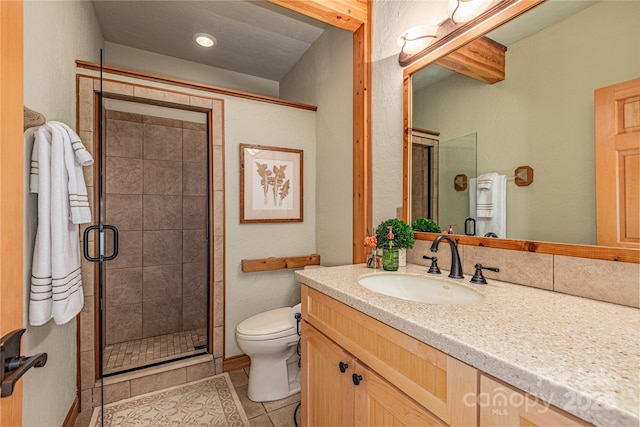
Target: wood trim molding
{"points": [[236, 362], [580, 251], [482, 59], [354, 16], [192, 85], [273, 263], [72, 415]]}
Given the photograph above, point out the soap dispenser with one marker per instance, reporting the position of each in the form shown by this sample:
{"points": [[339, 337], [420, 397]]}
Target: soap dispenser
{"points": [[390, 253]]}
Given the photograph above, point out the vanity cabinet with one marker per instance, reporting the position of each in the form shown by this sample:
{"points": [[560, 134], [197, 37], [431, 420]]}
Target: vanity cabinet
{"points": [[400, 379], [503, 405]]}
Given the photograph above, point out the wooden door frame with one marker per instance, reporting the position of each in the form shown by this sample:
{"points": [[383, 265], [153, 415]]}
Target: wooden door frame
{"points": [[11, 186], [354, 16]]}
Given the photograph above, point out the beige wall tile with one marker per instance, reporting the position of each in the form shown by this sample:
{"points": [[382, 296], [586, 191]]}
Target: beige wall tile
{"points": [[161, 317], [194, 179], [124, 323], [611, 281], [88, 272], [194, 212], [158, 381], [524, 268], [195, 126], [200, 371], [123, 175], [194, 247], [87, 369], [123, 211], [218, 304], [218, 213], [161, 95], [219, 365], [117, 391], [194, 146], [129, 249], [194, 279], [218, 258], [86, 103], [197, 101], [162, 177], [115, 87], [218, 341], [86, 400], [162, 121], [162, 247], [162, 142], [162, 282], [194, 313], [87, 324], [123, 138], [121, 115], [162, 212], [123, 286], [218, 123], [218, 169]]}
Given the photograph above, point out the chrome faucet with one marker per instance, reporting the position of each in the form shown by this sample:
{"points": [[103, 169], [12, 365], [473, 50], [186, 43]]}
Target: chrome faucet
{"points": [[455, 271]]}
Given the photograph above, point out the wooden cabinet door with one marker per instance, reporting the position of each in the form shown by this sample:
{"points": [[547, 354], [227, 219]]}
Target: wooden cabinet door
{"points": [[617, 150], [378, 403], [327, 392], [502, 405]]}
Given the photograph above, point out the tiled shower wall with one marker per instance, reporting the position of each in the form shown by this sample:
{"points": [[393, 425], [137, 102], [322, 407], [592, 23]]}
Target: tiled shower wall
{"points": [[155, 193]]}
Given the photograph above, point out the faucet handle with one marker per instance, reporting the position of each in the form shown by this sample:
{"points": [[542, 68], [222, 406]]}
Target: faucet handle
{"points": [[434, 264], [478, 277]]}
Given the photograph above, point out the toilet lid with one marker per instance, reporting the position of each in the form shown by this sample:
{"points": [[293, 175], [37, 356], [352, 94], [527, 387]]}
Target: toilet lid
{"points": [[267, 323]]}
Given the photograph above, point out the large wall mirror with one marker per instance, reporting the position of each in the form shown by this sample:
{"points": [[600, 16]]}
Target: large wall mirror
{"points": [[541, 115]]}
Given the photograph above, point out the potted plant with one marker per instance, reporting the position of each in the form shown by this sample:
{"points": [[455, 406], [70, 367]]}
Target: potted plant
{"points": [[402, 236], [425, 225]]}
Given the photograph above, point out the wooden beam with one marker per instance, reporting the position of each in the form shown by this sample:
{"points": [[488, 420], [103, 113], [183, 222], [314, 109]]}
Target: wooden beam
{"points": [[345, 14], [266, 264], [482, 59], [354, 16]]}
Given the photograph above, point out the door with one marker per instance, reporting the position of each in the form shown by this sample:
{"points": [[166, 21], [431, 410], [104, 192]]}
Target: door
{"points": [[378, 403], [11, 188], [617, 151], [327, 387]]}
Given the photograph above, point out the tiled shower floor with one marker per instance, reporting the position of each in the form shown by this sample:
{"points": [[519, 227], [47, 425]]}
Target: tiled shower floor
{"points": [[133, 354]]}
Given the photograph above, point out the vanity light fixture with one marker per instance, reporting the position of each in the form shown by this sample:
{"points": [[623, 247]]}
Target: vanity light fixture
{"points": [[204, 39], [416, 39], [465, 10]]}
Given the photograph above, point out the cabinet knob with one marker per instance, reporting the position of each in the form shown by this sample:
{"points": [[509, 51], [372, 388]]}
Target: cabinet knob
{"points": [[356, 379], [343, 367]]}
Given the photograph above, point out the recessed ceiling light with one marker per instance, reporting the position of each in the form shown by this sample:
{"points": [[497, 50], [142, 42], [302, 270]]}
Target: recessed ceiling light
{"points": [[204, 39]]}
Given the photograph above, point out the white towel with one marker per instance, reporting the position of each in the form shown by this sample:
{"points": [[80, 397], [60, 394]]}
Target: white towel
{"points": [[486, 195], [56, 175], [498, 223]]}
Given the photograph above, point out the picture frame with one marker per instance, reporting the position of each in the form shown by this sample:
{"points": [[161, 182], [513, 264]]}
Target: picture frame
{"points": [[271, 184]]}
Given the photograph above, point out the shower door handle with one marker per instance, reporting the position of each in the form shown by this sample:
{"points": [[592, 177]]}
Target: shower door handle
{"points": [[101, 256]]}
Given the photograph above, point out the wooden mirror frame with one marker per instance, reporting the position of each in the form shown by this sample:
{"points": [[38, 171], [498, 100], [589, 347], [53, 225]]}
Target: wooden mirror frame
{"points": [[451, 42]]}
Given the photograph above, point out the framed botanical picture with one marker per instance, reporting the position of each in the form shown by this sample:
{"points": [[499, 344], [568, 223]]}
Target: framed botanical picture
{"points": [[271, 187]]}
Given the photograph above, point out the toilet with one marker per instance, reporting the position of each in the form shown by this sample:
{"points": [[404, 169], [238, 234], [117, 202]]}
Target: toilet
{"points": [[270, 339]]}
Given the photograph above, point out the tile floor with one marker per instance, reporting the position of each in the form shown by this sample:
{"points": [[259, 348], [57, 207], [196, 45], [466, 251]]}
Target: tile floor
{"points": [[278, 413], [132, 354]]}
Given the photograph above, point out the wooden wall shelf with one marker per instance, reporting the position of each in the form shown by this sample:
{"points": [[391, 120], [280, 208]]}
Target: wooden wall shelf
{"points": [[266, 264]]}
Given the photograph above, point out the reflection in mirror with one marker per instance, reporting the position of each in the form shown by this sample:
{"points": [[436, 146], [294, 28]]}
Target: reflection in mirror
{"points": [[457, 157], [541, 114]]}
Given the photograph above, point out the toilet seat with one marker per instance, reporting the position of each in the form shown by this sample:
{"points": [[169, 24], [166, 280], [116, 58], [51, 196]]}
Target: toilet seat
{"points": [[269, 325]]}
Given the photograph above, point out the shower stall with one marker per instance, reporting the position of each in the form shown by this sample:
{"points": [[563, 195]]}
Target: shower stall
{"points": [[154, 190]]}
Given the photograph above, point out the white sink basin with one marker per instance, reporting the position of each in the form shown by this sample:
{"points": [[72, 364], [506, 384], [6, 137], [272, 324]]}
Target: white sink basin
{"points": [[419, 288]]}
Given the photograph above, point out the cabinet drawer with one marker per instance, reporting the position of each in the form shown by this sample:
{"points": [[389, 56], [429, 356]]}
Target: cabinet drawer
{"points": [[440, 383], [503, 405]]}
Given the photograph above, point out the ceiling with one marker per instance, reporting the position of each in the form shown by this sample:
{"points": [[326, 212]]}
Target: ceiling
{"points": [[254, 37]]}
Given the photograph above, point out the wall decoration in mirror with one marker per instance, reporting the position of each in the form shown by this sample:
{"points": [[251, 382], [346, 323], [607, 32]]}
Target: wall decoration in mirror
{"points": [[541, 115]]}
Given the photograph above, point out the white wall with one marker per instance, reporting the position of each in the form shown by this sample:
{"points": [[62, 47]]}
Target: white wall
{"points": [[323, 77], [542, 115], [390, 19], [251, 122], [153, 63], [56, 34]]}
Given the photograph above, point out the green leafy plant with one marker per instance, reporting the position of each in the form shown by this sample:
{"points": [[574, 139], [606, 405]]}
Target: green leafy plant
{"points": [[402, 233], [425, 225]]}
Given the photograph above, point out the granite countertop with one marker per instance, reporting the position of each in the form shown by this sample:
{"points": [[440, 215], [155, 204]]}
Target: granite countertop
{"points": [[578, 354]]}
